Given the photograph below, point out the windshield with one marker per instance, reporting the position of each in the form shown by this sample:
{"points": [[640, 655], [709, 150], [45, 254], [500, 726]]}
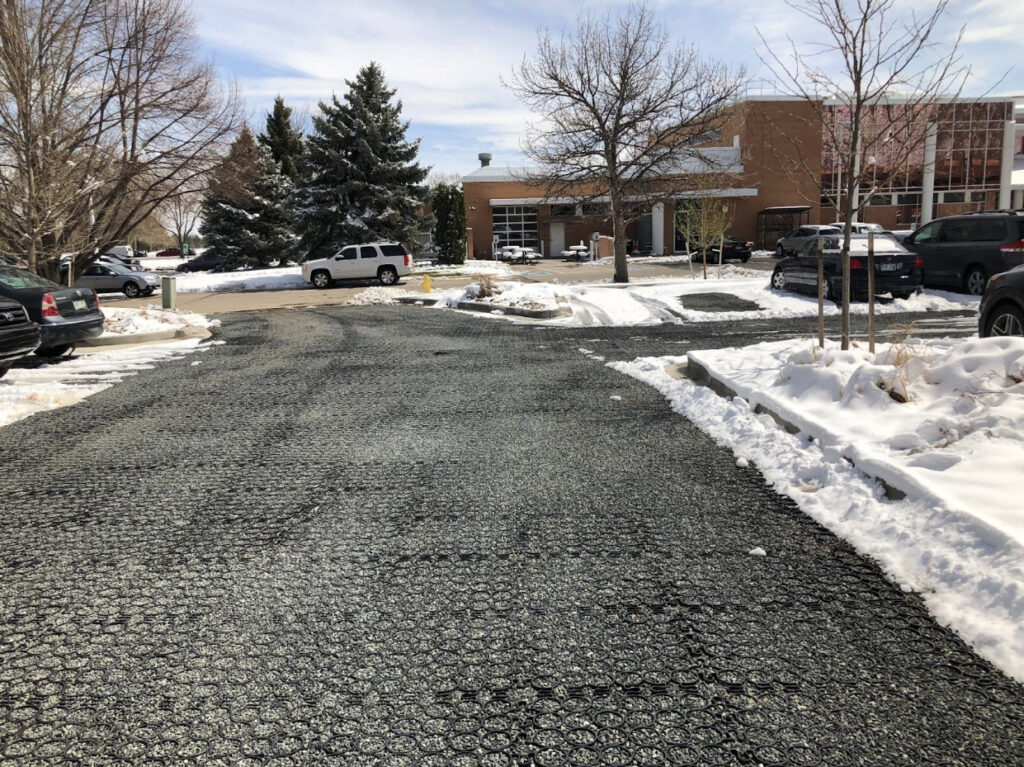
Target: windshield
{"points": [[118, 268], [22, 278]]}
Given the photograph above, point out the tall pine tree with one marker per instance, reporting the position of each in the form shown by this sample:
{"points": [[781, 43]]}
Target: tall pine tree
{"points": [[286, 144], [247, 215], [365, 184]]}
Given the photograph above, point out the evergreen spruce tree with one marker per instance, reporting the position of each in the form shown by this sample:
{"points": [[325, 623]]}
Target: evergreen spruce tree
{"points": [[247, 213], [449, 223], [365, 184], [286, 144]]}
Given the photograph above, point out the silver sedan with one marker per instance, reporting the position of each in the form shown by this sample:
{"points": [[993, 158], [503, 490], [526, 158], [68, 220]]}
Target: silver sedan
{"points": [[111, 277]]}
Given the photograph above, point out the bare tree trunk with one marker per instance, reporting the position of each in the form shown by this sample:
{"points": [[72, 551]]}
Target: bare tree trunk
{"points": [[619, 233]]}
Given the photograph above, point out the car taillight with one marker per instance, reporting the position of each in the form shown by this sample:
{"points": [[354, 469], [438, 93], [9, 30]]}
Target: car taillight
{"points": [[856, 263], [1013, 247], [50, 306], [96, 298], [407, 259], [919, 263], [749, 244]]}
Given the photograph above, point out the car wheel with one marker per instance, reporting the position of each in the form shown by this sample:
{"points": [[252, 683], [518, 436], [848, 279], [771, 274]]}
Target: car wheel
{"points": [[131, 290], [1005, 321], [387, 275], [902, 294], [744, 259], [321, 279], [974, 281], [53, 351], [779, 279], [780, 252]]}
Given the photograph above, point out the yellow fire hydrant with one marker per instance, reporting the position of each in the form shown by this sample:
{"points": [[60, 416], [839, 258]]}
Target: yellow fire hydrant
{"points": [[426, 283]]}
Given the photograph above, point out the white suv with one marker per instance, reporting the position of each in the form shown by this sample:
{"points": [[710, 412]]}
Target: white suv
{"points": [[385, 261]]}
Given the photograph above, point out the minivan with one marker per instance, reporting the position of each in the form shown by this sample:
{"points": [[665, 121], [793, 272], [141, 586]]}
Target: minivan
{"points": [[962, 252]]}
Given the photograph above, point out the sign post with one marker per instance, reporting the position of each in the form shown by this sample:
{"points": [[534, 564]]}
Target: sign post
{"points": [[871, 292], [821, 292]]}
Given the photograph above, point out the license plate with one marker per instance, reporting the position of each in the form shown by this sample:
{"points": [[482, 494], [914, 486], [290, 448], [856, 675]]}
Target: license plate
{"points": [[80, 305], [890, 267]]}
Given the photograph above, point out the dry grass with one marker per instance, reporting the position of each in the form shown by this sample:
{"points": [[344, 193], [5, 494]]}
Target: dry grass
{"points": [[487, 287]]}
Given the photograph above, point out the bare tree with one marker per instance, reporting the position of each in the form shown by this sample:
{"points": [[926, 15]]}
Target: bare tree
{"points": [[622, 113], [703, 217], [179, 216], [105, 115], [875, 78]]}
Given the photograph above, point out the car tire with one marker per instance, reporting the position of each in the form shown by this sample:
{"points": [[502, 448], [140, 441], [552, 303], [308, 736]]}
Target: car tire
{"points": [[744, 259], [902, 294], [974, 280], [387, 275], [321, 279], [1005, 320], [131, 290], [780, 252], [48, 352], [778, 279]]}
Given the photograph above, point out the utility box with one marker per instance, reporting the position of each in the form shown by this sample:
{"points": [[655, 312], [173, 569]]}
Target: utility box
{"points": [[606, 247], [169, 292]]}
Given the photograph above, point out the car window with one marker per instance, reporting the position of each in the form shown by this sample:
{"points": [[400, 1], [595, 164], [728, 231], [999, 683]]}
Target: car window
{"points": [[22, 278], [990, 230], [929, 232], [801, 232], [957, 230], [808, 248], [393, 250], [367, 251], [348, 253]]}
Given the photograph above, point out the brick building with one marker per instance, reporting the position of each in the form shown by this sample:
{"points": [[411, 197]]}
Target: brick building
{"points": [[778, 172]]}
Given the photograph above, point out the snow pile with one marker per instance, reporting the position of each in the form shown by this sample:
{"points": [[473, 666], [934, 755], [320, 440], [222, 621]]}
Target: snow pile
{"points": [[64, 382], [287, 278], [470, 268], [955, 447], [378, 295], [127, 322], [665, 301]]}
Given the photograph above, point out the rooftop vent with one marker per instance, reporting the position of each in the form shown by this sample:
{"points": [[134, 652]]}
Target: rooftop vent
{"points": [[485, 159]]}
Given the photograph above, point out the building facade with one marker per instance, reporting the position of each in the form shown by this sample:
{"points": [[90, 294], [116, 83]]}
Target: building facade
{"points": [[780, 173]]}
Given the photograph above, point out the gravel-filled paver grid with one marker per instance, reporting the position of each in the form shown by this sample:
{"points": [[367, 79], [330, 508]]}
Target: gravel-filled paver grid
{"points": [[388, 536]]}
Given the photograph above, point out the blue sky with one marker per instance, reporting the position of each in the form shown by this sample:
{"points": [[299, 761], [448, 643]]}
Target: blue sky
{"points": [[446, 58]]}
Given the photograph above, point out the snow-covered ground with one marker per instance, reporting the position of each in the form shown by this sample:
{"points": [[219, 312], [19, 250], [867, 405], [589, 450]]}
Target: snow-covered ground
{"points": [[665, 300], [285, 278], [954, 445], [128, 322], [60, 383]]}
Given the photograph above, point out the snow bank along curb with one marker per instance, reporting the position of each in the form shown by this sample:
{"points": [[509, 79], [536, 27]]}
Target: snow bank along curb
{"points": [[700, 374], [970, 579], [146, 338], [476, 306]]}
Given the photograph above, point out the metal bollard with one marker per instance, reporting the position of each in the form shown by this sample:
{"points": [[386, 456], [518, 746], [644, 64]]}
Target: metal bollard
{"points": [[169, 292]]}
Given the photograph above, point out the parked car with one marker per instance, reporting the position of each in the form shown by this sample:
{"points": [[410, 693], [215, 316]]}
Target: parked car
{"points": [[962, 252], [19, 335], [110, 277], [124, 252], [860, 227], [733, 250], [207, 262], [20, 263], [384, 261], [171, 253], [66, 316], [112, 258], [897, 270], [1002, 305], [792, 242]]}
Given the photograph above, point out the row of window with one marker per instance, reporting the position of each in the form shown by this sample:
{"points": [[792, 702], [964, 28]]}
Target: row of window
{"points": [[515, 225], [914, 198]]}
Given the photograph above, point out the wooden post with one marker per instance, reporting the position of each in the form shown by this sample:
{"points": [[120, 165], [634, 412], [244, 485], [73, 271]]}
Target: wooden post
{"points": [[871, 292], [821, 292]]}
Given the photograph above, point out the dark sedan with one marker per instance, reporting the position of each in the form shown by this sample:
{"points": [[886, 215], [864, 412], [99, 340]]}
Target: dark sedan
{"points": [[66, 316], [732, 250], [1002, 305], [18, 334], [897, 270]]}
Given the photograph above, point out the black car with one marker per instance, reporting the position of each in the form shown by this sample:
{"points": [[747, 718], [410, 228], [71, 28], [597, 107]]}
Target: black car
{"points": [[1002, 305], [897, 270], [66, 316], [18, 334], [204, 263], [962, 252], [732, 250]]}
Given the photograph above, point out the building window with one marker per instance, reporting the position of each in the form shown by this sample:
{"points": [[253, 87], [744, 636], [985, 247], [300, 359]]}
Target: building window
{"points": [[880, 199], [563, 211], [515, 225], [978, 196], [595, 209], [953, 197], [909, 198]]}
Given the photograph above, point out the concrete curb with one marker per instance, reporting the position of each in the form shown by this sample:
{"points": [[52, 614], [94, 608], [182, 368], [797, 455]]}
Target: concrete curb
{"points": [[147, 338], [699, 374], [476, 306]]}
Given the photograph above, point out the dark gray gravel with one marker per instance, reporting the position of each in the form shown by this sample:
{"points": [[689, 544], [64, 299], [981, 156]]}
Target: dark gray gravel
{"points": [[392, 536]]}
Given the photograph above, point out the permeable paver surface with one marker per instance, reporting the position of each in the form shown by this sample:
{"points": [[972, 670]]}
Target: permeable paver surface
{"points": [[399, 536]]}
